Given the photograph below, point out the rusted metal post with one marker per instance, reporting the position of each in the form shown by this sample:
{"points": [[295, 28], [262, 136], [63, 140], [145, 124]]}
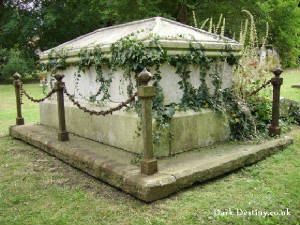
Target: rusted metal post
{"points": [[145, 94], [63, 135], [276, 82], [18, 84]]}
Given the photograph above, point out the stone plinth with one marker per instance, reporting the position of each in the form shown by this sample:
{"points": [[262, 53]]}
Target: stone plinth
{"points": [[174, 173], [190, 129]]}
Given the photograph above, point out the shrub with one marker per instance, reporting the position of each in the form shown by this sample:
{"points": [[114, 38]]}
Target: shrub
{"points": [[261, 109], [283, 17], [13, 61], [289, 110]]}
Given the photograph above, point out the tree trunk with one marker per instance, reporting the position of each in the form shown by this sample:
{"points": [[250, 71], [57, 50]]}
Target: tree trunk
{"points": [[182, 13]]}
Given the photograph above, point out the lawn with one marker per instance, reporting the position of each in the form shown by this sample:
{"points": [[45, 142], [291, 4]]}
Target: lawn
{"points": [[36, 188], [30, 110], [291, 77]]}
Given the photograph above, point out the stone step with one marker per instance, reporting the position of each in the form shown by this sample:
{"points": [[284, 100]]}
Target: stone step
{"points": [[296, 86], [115, 166]]}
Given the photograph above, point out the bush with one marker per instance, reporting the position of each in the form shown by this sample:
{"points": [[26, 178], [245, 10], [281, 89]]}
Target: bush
{"points": [[289, 110], [261, 109], [282, 16], [13, 61]]}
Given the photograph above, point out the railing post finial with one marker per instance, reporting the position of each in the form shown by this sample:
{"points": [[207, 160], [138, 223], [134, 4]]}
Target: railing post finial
{"points": [[144, 77]]}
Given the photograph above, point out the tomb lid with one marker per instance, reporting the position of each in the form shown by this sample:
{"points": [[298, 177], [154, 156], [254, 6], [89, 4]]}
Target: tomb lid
{"points": [[173, 36]]}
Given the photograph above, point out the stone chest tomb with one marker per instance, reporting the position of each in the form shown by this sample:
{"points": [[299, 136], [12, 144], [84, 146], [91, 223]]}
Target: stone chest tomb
{"points": [[101, 68]]}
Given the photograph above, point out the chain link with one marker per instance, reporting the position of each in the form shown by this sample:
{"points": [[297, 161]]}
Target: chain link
{"points": [[104, 112], [91, 112], [36, 100], [263, 86]]}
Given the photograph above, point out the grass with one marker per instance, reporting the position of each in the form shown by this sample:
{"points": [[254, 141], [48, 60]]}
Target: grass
{"points": [[36, 188], [30, 110], [291, 77]]}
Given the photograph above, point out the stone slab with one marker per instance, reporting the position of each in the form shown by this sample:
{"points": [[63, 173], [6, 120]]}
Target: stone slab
{"points": [[173, 35], [190, 129], [296, 86], [114, 166]]}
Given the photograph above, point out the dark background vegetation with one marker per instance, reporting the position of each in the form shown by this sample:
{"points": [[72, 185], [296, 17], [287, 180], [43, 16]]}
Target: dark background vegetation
{"points": [[28, 25]]}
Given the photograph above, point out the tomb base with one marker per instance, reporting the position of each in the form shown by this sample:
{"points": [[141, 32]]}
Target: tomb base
{"points": [[174, 173], [190, 129]]}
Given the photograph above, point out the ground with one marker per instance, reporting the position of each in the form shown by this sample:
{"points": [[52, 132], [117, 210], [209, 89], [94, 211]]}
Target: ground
{"points": [[36, 188]]}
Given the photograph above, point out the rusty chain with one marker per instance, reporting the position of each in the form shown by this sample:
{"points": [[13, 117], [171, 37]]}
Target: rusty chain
{"points": [[104, 112], [261, 87], [20, 97], [91, 112], [36, 100]]}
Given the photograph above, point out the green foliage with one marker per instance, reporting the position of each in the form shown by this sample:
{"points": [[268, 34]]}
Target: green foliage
{"points": [[294, 113], [94, 57], [18, 27], [281, 16], [289, 111], [56, 61], [261, 109], [250, 74], [37, 24], [133, 55], [145, 9], [13, 61], [3, 58], [284, 28], [270, 185], [31, 180], [65, 20]]}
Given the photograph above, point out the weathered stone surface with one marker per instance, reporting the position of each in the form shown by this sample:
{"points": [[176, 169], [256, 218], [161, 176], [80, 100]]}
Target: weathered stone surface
{"points": [[119, 130], [190, 129], [174, 173], [174, 37], [86, 86], [197, 129]]}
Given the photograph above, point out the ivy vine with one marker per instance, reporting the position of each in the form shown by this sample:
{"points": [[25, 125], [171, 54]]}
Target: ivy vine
{"points": [[132, 55]]}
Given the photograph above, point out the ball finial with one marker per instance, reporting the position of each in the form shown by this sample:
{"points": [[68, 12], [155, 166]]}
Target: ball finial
{"points": [[58, 77], [16, 76], [277, 71], [144, 77]]}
